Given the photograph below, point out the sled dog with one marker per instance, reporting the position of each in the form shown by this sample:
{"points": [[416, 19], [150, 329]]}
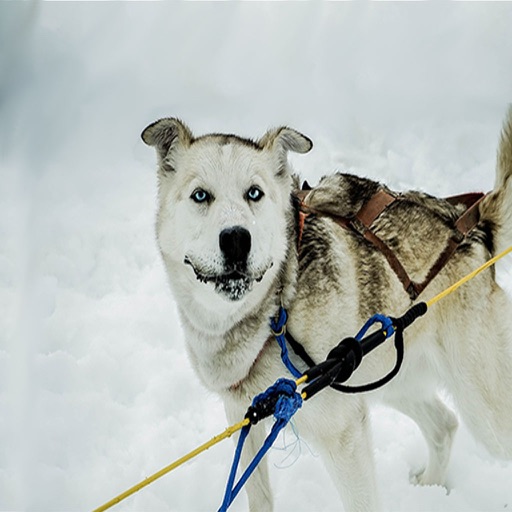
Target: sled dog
{"points": [[227, 231]]}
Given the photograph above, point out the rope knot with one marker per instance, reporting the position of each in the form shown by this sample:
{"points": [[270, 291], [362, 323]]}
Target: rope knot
{"points": [[288, 402], [281, 399]]}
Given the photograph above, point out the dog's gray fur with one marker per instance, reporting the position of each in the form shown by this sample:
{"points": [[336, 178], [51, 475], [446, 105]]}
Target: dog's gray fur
{"points": [[336, 282]]}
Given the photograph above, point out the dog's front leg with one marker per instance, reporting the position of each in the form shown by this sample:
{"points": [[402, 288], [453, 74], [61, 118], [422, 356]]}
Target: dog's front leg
{"points": [[341, 433], [257, 487]]}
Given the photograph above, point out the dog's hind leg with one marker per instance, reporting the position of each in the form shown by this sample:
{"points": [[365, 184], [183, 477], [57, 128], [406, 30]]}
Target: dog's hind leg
{"points": [[478, 367], [438, 425], [476, 336]]}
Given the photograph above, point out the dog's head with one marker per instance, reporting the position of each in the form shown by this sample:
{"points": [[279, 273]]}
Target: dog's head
{"points": [[224, 205]]}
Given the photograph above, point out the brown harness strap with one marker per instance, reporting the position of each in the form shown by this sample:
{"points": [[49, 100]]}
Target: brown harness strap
{"points": [[374, 207], [469, 219], [464, 224]]}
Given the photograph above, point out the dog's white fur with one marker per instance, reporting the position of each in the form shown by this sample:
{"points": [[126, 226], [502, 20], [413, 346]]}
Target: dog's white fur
{"points": [[463, 344]]}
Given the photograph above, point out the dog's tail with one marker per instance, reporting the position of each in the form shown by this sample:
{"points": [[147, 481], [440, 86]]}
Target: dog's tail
{"points": [[496, 208]]}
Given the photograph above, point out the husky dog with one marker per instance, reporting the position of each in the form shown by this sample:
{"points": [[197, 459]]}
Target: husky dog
{"points": [[227, 232]]}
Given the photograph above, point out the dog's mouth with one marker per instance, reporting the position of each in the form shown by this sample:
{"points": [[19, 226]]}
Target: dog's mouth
{"points": [[234, 284]]}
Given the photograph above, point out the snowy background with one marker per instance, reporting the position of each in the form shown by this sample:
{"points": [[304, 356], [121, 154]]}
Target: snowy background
{"points": [[96, 391]]}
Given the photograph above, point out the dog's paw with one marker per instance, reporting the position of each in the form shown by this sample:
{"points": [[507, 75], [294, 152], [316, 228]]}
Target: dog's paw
{"points": [[423, 477], [415, 476]]}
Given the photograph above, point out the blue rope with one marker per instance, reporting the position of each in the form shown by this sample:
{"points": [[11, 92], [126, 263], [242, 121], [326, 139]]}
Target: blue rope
{"points": [[278, 328], [288, 402], [385, 322], [231, 492]]}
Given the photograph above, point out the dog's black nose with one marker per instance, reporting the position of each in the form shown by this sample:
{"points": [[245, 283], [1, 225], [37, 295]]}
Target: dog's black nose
{"points": [[235, 244]]}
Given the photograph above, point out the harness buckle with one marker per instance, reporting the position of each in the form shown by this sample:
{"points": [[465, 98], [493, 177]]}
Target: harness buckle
{"points": [[281, 331]]}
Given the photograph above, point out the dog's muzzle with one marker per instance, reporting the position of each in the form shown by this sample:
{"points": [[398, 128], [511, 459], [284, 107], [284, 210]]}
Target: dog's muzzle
{"points": [[235, 279], [235, 245]]}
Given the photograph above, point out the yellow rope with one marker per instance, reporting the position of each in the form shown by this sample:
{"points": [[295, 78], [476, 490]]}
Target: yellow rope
{"points": [[301, 380], [227, 433], [467, 278]]}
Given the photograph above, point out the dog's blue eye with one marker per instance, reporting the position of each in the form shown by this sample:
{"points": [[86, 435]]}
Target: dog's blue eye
{"points": [[200, 196], [255, 194]]}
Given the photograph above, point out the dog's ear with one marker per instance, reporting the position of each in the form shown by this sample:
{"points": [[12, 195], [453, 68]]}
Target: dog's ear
{"points": [[166, 134], [286, 139]]}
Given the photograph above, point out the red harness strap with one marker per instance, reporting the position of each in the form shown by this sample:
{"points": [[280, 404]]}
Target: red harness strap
{"points": [[374, 207]]}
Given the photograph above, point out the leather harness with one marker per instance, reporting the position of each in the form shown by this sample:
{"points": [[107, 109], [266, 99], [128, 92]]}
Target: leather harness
{"points": [[370, 211]]}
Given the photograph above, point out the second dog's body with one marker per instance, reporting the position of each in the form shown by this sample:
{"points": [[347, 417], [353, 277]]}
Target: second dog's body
{"points": [[227, 232]]}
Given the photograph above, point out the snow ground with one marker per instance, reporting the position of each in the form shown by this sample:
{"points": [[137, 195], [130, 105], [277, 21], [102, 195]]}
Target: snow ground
{"points": [[95, 388]]}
